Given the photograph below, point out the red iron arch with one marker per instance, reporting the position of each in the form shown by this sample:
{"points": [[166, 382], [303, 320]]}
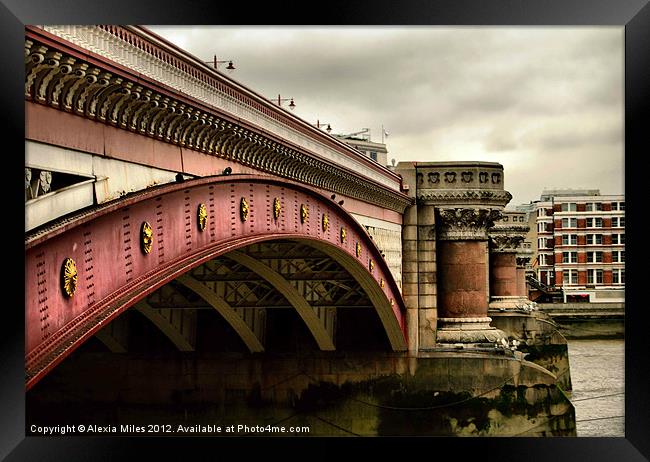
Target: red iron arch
{"points": [[126, 249]]}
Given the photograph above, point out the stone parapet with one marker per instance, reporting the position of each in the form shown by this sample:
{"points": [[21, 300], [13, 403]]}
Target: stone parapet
{"points": [[459, 175], [468, 184]]}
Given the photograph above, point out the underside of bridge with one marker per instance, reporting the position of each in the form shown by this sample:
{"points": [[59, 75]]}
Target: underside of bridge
{"points": [[276, 296], [282, 301]]}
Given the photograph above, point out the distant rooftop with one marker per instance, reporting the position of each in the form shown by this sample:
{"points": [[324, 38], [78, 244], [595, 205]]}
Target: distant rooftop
{"points": [[548, 193], [525, 207]]}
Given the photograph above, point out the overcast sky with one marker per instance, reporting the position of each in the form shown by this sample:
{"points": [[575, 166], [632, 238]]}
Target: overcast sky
{"points": [[547, 103]]}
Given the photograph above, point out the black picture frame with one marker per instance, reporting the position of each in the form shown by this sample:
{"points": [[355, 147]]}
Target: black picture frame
{"points": [[633, 14]]}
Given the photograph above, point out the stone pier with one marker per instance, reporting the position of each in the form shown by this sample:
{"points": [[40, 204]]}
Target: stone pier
{"points": [[446, 253], [508, 266]]}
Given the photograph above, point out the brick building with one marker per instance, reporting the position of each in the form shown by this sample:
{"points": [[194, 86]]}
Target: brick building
{"points": [[581, 244]]}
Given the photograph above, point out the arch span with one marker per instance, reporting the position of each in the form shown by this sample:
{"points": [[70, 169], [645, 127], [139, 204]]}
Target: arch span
{"points": [[84, 271]]}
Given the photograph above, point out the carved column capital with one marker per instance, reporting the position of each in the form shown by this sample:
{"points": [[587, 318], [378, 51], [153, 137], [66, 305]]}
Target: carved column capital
{"points": [[465, 223], [522, 261], [505, 242]]}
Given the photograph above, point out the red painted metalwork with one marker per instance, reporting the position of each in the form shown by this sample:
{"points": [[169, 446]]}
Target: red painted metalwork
{"points": [[114, 272], [57, 128]]}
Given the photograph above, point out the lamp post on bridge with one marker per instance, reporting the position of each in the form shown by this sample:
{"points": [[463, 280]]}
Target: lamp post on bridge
{"points": [[215, 63], [328, 129], [279, 100]]}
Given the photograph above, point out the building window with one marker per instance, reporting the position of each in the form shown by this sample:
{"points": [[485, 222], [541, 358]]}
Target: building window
{"points": [[594, 257], [570, 239], [618, 205], [541, 227], [594, 206], [373, 155], [594, 222], [618, 256], [569, 257], [570, 276], [618, 276], [594, 239], [569, 222], [547, 277], [618, 222], [595, 276], [618, 238], [569, 207]]}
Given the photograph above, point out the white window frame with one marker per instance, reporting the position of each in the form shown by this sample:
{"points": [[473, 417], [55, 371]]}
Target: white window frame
{"points": [[593, 276], [594, 239], [618, 275], [572, 279]]}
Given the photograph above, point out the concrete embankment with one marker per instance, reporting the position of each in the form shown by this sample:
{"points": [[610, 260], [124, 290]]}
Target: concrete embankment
{"points": [[444, 393], [588, 320]]}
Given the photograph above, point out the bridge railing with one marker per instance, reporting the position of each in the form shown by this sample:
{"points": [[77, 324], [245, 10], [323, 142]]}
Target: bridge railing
{"points": [[146, 53]]}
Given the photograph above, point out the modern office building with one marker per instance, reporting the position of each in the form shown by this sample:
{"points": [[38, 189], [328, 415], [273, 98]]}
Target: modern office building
{"points": [[581, 244]]}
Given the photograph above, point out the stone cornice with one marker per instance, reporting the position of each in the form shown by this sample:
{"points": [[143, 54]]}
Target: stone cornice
{"points": [[509, 229], [465, 223], [103, 93], [497, 198]]}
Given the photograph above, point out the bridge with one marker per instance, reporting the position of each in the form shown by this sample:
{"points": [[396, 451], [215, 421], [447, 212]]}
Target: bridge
{"points": [[174, 213]]}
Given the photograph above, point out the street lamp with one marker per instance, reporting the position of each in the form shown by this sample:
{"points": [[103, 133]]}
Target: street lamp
{"points": [[279, 100], [320, 125], [215, 62]]}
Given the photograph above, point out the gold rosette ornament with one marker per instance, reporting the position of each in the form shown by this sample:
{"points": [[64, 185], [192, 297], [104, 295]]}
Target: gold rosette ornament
{"points": [[326, 222], [69, 277], [202, 215], [343, 235], [371, 265], [146, 237], [244, 209], [277, 208], [358, 249], [304, 213]]}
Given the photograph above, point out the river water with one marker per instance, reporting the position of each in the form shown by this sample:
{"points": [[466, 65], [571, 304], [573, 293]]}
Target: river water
{"points": [[598, 371]]}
